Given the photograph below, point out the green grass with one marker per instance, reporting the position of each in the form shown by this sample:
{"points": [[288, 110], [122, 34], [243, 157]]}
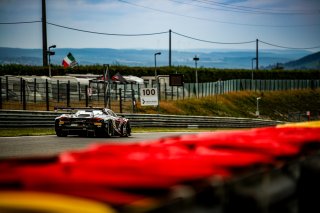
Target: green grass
{"points": [[50, 131], [26, 132]]}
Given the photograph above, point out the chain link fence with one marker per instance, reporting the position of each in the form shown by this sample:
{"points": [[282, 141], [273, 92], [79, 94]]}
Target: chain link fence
{"points": [[44, 93]]}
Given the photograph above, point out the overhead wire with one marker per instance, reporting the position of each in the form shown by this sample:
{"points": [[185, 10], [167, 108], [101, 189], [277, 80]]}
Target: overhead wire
{"points": [[273, 11], [236, 9], [211, 8], [212, 42], [163, 32], [20, 22], [101, 33], [286, 47], [213, 20]]}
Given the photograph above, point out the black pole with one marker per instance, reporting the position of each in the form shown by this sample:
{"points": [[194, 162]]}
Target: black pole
{"points": [[87, 99], [68, 94], [165, 91], [58, 91], [35, 90], [177, 93], [44, 34], [170, 48], [183, 91], [7, 88], [257, 54], [159, 92], [47, 94], [24, 102], [109, 86], [21, 90], [79, 91], [120, 99], [1, 93], [105, 85], [132, 98]]}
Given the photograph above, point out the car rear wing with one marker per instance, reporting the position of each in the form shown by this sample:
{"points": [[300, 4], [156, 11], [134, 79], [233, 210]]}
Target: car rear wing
{"points": [[56, 108]]}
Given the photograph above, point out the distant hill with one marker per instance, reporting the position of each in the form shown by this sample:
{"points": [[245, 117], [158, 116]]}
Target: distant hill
{"points": [[214, 58], [311, 61]]}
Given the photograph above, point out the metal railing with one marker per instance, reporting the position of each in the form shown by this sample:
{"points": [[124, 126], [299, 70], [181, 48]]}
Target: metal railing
{"points": [[24, 119]]}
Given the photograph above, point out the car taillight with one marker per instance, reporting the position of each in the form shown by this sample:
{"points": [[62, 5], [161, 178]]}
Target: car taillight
{"points": [[62, 120], [97, 121]]}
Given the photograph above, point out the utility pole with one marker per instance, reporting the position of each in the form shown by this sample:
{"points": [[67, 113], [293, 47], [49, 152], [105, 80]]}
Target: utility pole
{"points": [[170, 48], [196, 59], [257, 54], [44, 34]]}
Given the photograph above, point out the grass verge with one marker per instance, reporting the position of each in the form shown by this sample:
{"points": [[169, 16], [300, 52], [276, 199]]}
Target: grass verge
{"points": [[26, 132], [50, 131]]}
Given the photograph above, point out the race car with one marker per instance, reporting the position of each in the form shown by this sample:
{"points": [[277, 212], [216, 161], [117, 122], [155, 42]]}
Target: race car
{"points": [[101, 122]]}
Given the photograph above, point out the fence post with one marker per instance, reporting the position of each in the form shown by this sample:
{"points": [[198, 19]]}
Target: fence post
{"points": [[105, 92], [124, 91], [159, 91], [68, 94], [171, 92], [1, 93], [183, 91], [177, 92], [133, 100], [58, 91], [165, 91], [47, 94], [35, 90], [24, 102], [21, 92], [7, 88], [87, 99], [120, 100], [131, 87], [98, 91], [138, 91], [79, 89], [115, 89]]}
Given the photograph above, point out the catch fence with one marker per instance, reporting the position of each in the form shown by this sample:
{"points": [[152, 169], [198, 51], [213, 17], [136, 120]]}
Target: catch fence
{"points": [[44, 93]]}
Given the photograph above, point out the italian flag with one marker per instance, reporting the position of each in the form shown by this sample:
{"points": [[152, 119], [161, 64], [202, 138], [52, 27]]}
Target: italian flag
{"points": [[69, 61]]}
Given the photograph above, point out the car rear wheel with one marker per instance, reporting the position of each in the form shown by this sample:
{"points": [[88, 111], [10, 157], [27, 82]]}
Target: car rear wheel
{"points": [[108, 130], [60, 133], [125, 130]]}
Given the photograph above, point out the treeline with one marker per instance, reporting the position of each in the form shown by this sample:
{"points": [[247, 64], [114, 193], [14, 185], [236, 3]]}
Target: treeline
{"points": [[204, 74]]}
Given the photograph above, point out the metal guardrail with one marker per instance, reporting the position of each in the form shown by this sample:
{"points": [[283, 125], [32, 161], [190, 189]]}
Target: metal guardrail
{"points": [[23, 119]]}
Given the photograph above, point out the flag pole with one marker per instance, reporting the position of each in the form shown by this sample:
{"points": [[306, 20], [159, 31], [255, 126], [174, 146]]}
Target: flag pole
{"points": [[109, 87], [105, 85]]}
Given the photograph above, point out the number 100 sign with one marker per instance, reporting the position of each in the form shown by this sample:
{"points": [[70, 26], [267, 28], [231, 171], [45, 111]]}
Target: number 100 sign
{"points": [[149, 97]]}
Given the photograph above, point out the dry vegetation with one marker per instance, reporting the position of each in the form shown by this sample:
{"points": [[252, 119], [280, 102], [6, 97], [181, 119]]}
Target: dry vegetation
{"points": [[272, 105]]}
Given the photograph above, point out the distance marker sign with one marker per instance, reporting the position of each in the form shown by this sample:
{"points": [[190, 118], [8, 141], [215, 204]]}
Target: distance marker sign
{"points": [[149, 97]]}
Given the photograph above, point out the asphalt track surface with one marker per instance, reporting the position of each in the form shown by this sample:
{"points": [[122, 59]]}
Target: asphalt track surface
{"points": [[50, 145]]}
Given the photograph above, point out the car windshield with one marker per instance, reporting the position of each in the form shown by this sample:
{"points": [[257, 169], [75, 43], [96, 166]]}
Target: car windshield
{"points": [[83, 114], [111, 113], [97, 112], [88, 113]]}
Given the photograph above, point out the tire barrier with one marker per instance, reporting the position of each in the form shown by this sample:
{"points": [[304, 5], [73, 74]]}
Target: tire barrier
{"points": [[270, 169], [23, 119]]}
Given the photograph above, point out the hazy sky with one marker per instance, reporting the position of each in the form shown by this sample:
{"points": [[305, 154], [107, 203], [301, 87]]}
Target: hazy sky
{"points": [[290, 23]]}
